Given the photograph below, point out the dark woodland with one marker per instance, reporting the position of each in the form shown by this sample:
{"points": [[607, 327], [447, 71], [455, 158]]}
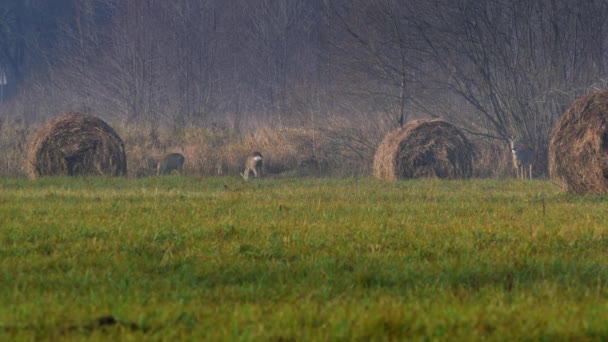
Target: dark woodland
{"points": [[323, 80]]}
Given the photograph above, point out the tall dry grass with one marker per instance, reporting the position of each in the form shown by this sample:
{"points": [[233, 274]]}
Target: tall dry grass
{"points": [[14, 145], [494, 160], [211, 152], [334, 147]]}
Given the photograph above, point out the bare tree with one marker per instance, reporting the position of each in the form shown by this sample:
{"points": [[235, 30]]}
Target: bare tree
{"points": [[499, 69], [192, 63], [378, 56], [518, 64], [152, 60], [280, 35]]}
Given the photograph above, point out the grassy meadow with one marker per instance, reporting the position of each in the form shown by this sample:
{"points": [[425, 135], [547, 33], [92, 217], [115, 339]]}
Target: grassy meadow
{"points": [[300, 259]]}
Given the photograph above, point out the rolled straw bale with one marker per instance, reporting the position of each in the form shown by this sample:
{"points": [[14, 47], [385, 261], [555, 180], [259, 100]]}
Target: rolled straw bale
{"points": [[74, 144], [424, 148], [578, 147]]}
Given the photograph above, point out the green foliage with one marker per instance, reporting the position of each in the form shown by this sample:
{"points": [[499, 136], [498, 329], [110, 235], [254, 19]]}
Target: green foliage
{"points": [[312, 259]]}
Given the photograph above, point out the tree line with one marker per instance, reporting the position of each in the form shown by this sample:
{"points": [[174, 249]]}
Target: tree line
{"points": [[497, 69]]}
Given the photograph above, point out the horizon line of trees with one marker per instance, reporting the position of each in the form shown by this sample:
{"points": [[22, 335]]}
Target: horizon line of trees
{"points": [[496, 69]]}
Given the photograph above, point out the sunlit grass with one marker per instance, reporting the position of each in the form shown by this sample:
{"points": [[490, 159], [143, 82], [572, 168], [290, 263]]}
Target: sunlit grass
{"points": [[303, 259]]}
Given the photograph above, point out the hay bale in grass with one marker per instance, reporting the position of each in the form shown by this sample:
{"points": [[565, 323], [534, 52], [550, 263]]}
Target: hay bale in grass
{"points": [[75, 144], [424, 148], [578, 147]]}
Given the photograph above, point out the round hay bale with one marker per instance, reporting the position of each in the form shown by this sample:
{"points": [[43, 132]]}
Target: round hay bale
{"points": [[424, 148], [578, 147], [74, 144]]}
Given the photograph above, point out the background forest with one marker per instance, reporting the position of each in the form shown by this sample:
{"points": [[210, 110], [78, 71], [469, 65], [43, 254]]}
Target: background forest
{"points": [[313, 84]]}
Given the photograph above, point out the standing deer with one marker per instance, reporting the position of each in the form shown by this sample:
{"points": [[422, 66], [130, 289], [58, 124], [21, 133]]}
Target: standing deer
{"points": [[172, 162], [254, 163], [523, 157]]}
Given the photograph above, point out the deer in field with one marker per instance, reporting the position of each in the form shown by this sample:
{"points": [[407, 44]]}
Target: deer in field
{"points": [[523, 157], [172, 162], [254, 164]]}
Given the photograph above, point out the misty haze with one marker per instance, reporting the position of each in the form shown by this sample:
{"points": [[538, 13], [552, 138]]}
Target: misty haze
{"points": [[316, 82]]}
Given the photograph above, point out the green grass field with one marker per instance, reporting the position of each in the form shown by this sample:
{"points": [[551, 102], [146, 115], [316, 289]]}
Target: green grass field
{"points": [[300, 259]]}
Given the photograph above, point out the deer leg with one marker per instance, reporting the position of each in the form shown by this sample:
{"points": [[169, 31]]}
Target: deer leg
{"points": [[520, 174]]}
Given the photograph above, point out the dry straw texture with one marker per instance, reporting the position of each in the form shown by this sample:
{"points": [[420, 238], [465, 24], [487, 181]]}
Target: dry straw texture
{"points": [[75, 144], [578, 158], [424, 148]]}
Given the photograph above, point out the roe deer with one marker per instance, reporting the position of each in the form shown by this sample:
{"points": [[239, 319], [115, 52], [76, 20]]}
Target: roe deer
{"points": [[523, 157], [254, 163], [172, 162]]}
